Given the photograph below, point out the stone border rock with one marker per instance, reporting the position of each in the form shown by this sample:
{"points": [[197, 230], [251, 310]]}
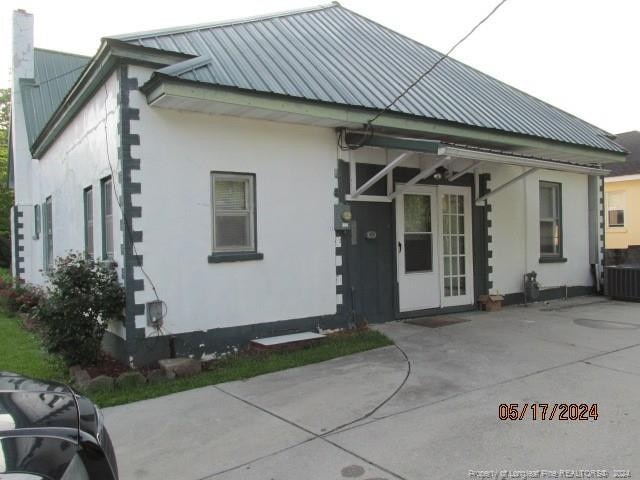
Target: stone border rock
{"points": [[170, 369]]}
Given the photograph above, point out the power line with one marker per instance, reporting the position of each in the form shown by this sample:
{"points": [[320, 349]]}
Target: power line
{"points": [[128, 234], [438, 62], [47, 80]]}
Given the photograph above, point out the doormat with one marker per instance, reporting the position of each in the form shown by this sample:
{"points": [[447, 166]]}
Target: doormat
{"points": [[436, 321]]}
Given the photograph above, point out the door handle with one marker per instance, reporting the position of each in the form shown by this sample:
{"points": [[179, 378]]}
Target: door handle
{"points": [[399, 247]]}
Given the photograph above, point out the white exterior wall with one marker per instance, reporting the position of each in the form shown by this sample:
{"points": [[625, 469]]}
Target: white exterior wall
{"points": [[76, 160], [515, 230], [295, 181]]}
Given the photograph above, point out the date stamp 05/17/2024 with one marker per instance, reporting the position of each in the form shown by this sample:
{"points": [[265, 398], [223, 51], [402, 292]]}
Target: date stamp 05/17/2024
{"points": [[548, 411]]}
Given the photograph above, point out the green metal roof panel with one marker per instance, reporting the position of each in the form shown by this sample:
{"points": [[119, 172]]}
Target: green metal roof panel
{"points": [[55, 74], [331, 54]]}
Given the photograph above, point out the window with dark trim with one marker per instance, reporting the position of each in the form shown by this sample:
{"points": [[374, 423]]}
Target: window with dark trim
{"points": [[88, 222], [47, 217], [550, 220], [233, 215], [37, 221], [106, 187]]}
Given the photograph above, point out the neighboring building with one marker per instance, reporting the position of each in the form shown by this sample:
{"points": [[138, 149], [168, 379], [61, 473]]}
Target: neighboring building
{"points": [[227, 171], [622, 203]]}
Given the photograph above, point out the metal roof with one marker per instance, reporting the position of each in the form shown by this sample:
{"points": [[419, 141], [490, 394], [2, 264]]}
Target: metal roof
{"points": [[55, 74], [331, 54]]}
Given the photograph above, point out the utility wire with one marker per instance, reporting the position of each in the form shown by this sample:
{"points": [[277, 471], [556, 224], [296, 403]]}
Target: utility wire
{"points": [[432, 68], [128, 232], [47, 80]]}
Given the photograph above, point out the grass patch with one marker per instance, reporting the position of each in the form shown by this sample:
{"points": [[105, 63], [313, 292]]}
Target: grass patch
{"points": [[243, 367], [22, 352]]}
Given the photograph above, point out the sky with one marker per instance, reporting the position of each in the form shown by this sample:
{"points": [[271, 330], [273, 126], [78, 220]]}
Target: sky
{"points": [[578, 55]]}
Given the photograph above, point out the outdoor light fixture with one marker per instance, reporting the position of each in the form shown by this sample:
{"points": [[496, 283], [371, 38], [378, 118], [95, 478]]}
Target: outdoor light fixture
{"points": [[346, 216], [441, 172]]}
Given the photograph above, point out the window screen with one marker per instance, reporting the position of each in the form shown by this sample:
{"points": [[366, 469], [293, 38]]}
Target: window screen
{"points": [[550, 219], [233, 212]]}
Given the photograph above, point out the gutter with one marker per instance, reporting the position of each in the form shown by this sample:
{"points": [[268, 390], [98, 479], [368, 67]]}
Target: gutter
{"points": [[110, 54], [160, 85]]}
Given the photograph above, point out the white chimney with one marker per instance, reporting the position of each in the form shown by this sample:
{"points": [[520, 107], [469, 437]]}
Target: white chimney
{"points": [[22, 45]]}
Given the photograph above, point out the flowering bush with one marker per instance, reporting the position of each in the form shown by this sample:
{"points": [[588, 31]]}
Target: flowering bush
{"points": [[20, 297], [83, 296]]}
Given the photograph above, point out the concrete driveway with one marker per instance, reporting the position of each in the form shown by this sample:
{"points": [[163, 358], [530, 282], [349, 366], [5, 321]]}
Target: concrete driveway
{"points": [[432, 414]]}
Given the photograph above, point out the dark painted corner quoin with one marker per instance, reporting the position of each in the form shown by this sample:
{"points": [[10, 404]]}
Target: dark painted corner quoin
{"points": [[114, 343]]}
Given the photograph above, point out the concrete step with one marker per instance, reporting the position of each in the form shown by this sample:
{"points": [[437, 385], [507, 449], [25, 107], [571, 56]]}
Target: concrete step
{"points": [[286, 342]]}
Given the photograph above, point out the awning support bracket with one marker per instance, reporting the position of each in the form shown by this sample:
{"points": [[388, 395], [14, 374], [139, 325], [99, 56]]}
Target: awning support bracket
{"points": [[454, 176], [485, 197], [387, 170], [426, 173]]}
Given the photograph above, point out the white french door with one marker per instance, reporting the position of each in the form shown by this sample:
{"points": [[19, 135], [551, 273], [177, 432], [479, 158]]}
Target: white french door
{"points": [[433, 230], [455, 246]]}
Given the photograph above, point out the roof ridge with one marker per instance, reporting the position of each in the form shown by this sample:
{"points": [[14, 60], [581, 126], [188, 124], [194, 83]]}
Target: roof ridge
{"points": [[222, 23], [49, 50]]}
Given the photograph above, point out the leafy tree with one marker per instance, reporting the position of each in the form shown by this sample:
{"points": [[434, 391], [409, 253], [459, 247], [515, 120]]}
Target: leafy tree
{"points": [[6, 194]]}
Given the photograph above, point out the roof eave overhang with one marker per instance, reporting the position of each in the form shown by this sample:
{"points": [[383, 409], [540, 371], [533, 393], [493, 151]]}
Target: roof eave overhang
{"points": [[361, 139], [164, 90], [111, 53]]}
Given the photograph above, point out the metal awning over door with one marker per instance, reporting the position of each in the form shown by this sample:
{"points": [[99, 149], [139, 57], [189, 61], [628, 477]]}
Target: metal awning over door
{"points": [[442, 154]]}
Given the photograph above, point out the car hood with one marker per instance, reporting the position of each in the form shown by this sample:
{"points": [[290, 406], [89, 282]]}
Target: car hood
{"points": [[28, 404]]}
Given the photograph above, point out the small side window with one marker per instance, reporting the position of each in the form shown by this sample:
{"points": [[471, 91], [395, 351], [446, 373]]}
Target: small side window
{"points": [[47, 216], [616, 203], [37, 222], [550, 219], [88, 222], [107, 218], [233, 212]]}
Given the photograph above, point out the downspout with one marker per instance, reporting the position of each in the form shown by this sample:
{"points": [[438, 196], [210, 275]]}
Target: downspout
{"points": [[526, 228]]}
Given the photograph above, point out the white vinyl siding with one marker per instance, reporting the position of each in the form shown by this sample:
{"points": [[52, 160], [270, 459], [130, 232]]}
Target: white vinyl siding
{"points": [[233, 212]]}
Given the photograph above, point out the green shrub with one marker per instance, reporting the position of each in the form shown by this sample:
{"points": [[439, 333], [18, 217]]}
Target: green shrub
{"points": [[82, 296]]}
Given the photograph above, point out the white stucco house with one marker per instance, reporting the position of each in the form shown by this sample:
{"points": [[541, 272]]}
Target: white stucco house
{"points": [[233, 174]]}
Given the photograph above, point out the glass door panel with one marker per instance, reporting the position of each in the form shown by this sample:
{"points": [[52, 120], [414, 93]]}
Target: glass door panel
{"points": [[453, 240]]}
